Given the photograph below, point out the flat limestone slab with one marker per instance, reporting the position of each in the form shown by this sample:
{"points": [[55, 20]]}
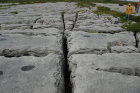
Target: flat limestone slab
{"points": [[21, 45], [9, 20], [107, 73], [32, 74], [34, 32], [97, 43], [99, 29]]}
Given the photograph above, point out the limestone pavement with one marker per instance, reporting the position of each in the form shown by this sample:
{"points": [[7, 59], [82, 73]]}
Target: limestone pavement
{"points": [[38, 43]]}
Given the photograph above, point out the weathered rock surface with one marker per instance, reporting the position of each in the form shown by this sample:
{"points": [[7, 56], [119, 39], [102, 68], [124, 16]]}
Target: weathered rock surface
{"points": [[20, 45], [92, 23], [32, 74], [107, 73], [98, 43], [102, 57], [138, 39], [34, 32]]}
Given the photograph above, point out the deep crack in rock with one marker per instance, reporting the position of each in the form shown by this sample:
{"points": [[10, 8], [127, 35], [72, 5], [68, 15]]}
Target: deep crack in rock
{"points": [[67, 72]]}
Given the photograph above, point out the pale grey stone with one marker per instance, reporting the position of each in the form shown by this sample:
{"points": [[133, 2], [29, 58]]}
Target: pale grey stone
{"points": [[34, 32], [99, 29], [32, 74], [20, 45], [124, 49], [107, 73], [82, 42], [9, 20], [40, 26], [115, 20], [16, 26]]}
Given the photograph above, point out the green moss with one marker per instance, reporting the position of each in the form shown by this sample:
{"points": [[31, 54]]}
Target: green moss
{"points": [[86, 4], [135, 18], [105, 10], [2, 8], [134, 27], [120, 4], [108, 18], [15, 12], [130, 27]]}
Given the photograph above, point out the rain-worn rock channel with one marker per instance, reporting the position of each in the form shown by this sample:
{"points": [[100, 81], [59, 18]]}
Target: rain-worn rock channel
{"points": [[62, 48]]}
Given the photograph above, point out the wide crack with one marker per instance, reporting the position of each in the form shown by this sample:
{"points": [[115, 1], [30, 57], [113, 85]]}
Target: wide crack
{"points": [[67, 72]]}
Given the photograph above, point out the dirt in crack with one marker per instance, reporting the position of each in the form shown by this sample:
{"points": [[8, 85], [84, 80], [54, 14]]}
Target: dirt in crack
{"points": [[68, 84]]}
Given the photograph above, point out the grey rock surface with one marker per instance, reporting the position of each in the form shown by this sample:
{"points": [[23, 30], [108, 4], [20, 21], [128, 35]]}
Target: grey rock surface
{"points": [[34, 38], [107, 73], [98, 43], [32, 74], [124, 49], [34, 32], [92, 23], [20, 45]]}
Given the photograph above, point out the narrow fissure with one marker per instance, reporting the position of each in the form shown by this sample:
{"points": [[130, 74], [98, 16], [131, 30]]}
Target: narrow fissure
{"points": [[67, 72], [63, 20], [74, 22], [136, 40]]}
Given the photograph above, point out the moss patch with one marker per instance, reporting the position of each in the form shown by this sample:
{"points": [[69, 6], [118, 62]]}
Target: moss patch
{"points": [[15, 12]]}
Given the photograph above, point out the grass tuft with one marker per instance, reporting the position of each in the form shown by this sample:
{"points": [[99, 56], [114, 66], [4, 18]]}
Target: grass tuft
{"points": [[105, 10], [120, 4], [134, 27]]}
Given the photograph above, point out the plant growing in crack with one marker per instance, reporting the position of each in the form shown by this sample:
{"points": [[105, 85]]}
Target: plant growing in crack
{"points": [[62, 13], [85, 4], [108, 18], [15, 12]]}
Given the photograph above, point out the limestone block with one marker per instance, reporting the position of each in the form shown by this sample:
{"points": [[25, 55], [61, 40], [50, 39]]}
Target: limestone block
{"points": [[20, 45], [9, 20], [32, 74], [99, 29], [97, 43], [107, 73], [34, 32]]}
